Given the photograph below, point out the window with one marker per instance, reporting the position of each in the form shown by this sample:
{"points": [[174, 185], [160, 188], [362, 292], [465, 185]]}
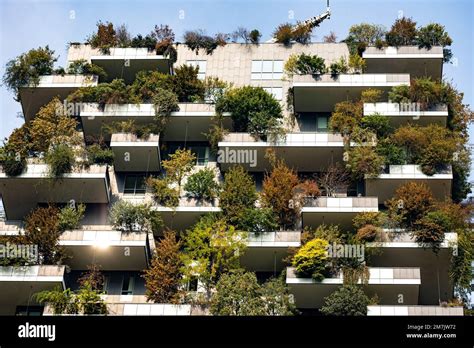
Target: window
{"points": [[134, 185], [127, 285], [201, 64], [322, 123], [277, 92], [201, 153], [267, 69], [32, 311]]}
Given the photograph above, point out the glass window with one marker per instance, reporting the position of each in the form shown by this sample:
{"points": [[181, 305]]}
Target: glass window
{"points": [[127, 285], [277, 92], [256, 66], [277, 66], [134, 185], [267, 69], [322, 123], [201, 153]]}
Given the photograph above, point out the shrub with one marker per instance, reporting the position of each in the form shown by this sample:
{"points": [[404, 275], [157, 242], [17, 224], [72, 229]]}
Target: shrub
{"points": [[346, 301], [13, 165], [330, 38], [252, 109], [237, 194], [410, 203], [255, 36], [202, 185], [402, 33], [98, 155], [147, 83], [27, 68], [305, 64], [366, 33], [165, 102], [367, 233], [115, 92], [339, 67], [311, 259], [257, 220], [330, 233], [178, 165], [197, 40], [392, 153], [70, 216], [434, 34], [371, 95], [430, 229], [301, 33], [162, 193], [376, 123], [123, 37], [364, 161], [82, 67], [283, 34], [357, 63], [60, 160], [149, 41], [345, 117], [129, 217], [377, 219]]}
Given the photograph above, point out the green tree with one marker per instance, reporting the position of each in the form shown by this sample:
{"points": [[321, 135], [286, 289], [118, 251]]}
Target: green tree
{"points": [[186, 84], [311, 259], [27, 68], [178, 165], [163, 279], [129, 217], [364, 161], [238, 193], [202, 185], [434, 34], [257, 220], [346, 301], [402, 33], [345, 117]]}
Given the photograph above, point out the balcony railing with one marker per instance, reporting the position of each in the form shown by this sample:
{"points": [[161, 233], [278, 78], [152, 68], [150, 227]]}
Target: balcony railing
{"points": [[288, 139], [32, 271], [353, 79], [401, 109], [342, 202], [274, 237], [412, 170], [377, 274], [133, 138], [412, 50]]}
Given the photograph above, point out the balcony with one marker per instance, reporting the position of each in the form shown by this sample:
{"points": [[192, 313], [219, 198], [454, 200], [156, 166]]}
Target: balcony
{"points": [[400, 114], [265, 251], [399, 249], [50, 86], [112, 250], [187, 213], [321, 93], [294, 148], [22, 193], [414, 310], [418, 62], [133, 154], [121, 63], [336, 210], [387, 283], [385, 185], [189, 123], [19, 284]]}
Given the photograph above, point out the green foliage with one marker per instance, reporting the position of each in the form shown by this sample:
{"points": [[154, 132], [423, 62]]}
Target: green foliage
{"points": [[330, 233], [82, 67], [255, 36], [364, 161], [211, 249], [197, 39], [149, 41], [147, 83], [257, 220], [346, 301], [377, 219], [311, 259], [239, 293], [252, 110], [186, 85], [27, 68], [339, 67], [286, 33], [115, 92], [128, 217], [70, 216], [378, 124], [104, 38], [434, 34], [430, 229], [362, 35], [162, 193], [402, 33], [303, 64], [345, 117], [60, 160], [202, 185], [163, 279], [165, 102], [178, 165], [283, 34], [96, 154], [371, 95], [238, 193], [461, 264], [357, 63], [392, 153], [61, 301]]}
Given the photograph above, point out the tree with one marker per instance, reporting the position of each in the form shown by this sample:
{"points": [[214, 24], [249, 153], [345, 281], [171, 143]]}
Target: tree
{"points": [[104, 38], [82, 67], [202, 185], [283, 34], [211, 249], [186, 84], [27, 68], [364, 161], [162, 193], [330, 38], [366, 33], [42, 229], [60, 159], [434, 34], [239, 293], [346, 301], [334, 180], [254, 36], [377, 124], [311, 259], [402, 33], [345, 117], [430, 229], [93, 278], [306, 64], [178, 165], [278, 194], [163, 279], [238, 193], [123, 36], [410, 203], [70, 216], [241, 34], [252, 110], [197, 39], [257, 220]]}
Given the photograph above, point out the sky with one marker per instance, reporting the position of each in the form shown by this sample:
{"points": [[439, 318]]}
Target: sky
{"points": [[26, 24]]}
